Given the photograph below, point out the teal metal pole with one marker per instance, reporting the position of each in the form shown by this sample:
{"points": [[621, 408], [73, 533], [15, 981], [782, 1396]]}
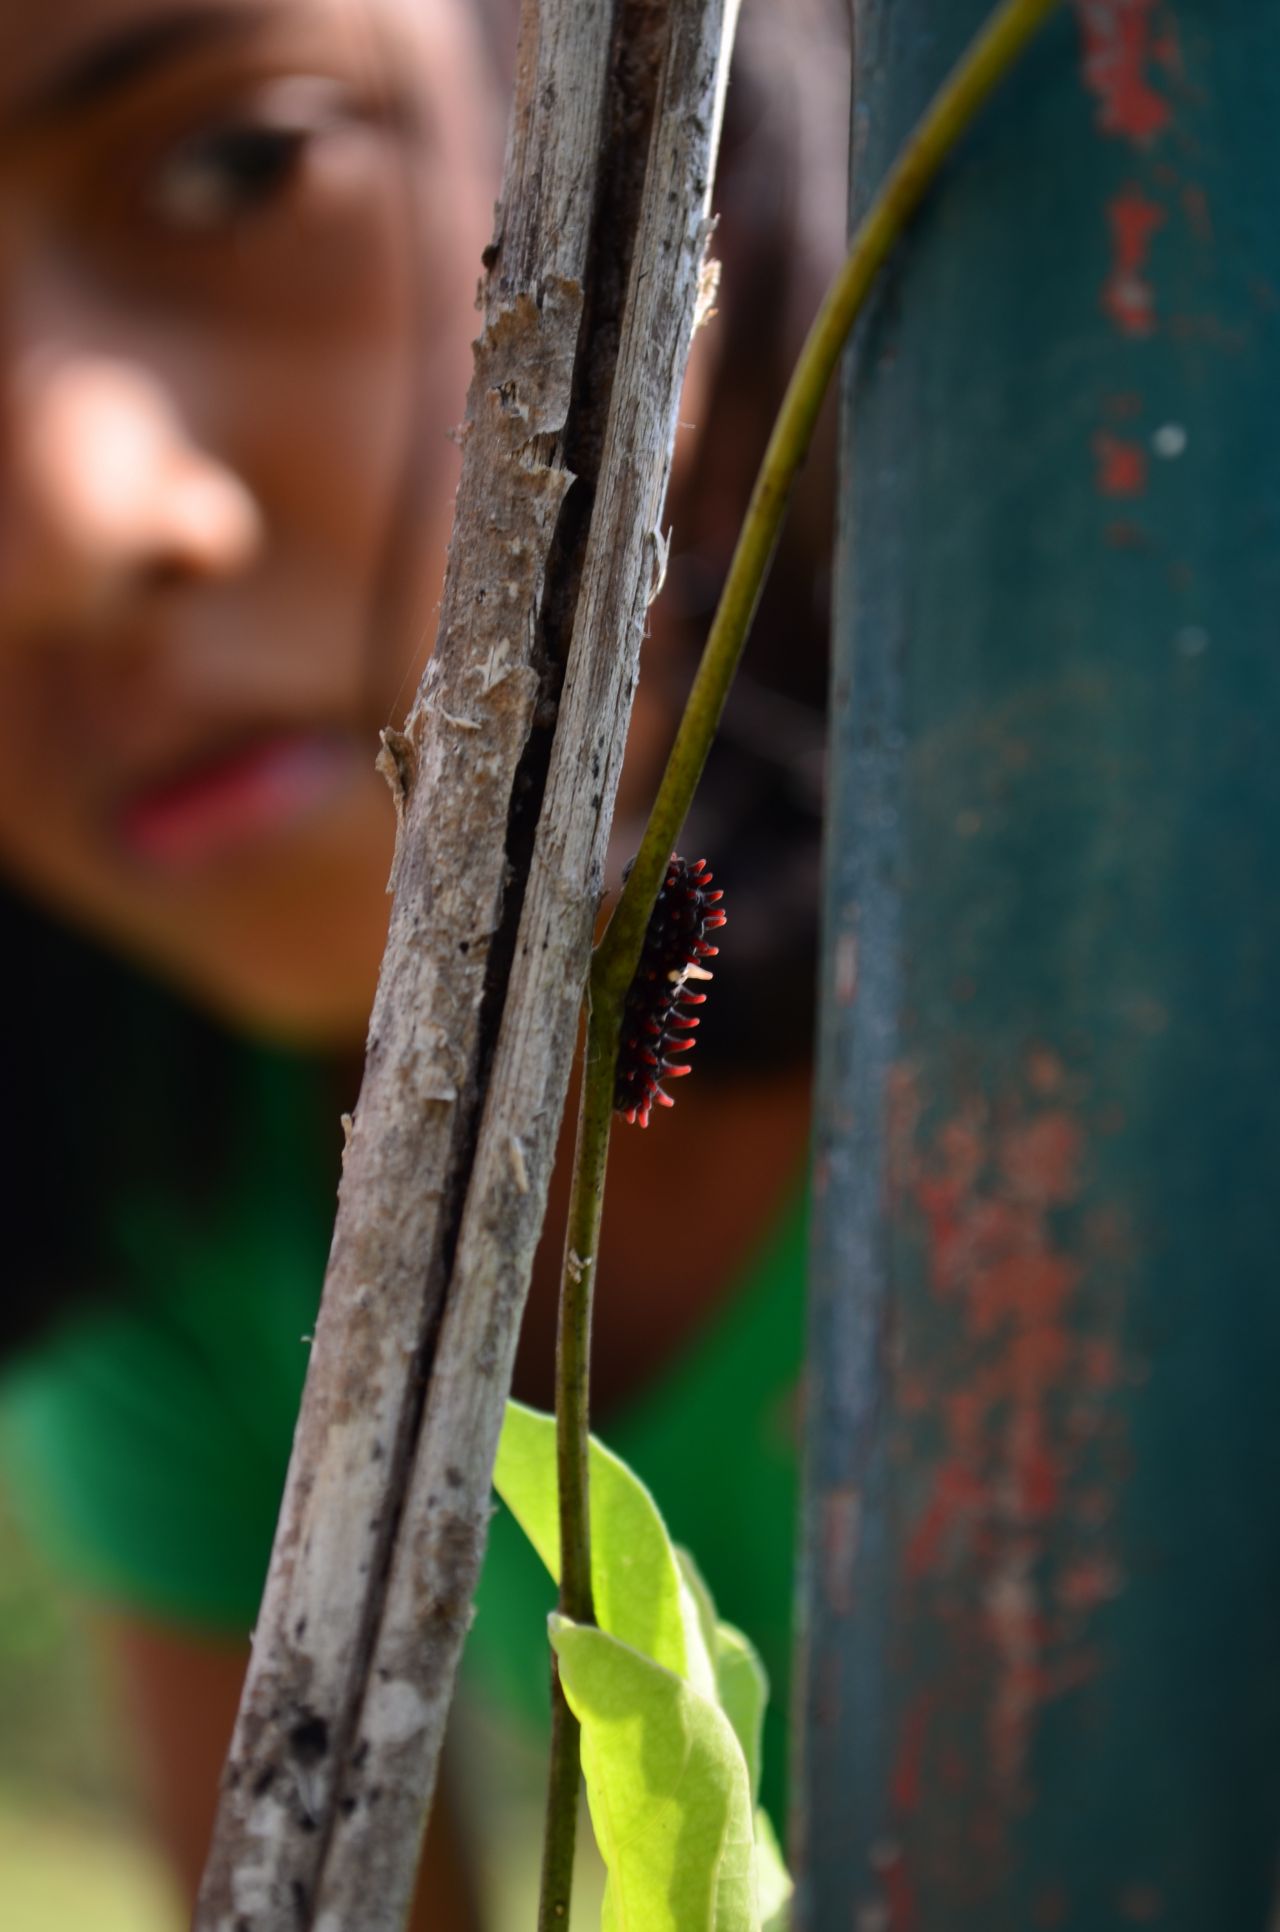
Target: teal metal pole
{"points": [[1040, 1669]]}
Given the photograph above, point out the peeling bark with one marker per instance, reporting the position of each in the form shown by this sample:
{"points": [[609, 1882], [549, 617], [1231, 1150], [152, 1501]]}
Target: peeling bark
{"points": [[382, 1527]]}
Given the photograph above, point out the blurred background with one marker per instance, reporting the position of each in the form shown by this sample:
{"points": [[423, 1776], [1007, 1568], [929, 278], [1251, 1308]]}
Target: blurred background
{"points": [[75, 1846]]}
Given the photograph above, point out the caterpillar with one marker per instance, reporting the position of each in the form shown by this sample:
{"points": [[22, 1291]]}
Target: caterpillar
{"points": [[655, 1015]]}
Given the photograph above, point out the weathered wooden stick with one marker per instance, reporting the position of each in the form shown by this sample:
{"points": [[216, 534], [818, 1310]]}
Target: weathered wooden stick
{"points": [[437, 1556], [382, 1527]]}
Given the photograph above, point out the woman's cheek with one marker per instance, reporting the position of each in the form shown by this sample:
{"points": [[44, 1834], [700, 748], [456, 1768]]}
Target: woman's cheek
{"points": [[343, 431]]}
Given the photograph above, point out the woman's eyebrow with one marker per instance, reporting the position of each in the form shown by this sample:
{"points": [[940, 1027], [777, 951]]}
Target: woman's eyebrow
{"points": [[120, 60]]}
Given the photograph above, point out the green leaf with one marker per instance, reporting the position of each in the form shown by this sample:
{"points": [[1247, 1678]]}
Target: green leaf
{"points": [[671, 1703], [773, 1880], [742, 1685], [668, 1790], [743, 1689], [703, 1601], [640, 1594]]}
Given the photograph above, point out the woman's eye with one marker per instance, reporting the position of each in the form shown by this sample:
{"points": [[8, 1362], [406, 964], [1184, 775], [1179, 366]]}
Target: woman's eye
{"points": [[224, 175], [239, 166]]}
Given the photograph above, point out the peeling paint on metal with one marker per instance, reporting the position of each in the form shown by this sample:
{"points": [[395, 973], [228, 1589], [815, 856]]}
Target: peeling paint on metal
{"points": [[1014, 1403], [905, 1783], [1127, 296], [899, 1893], [1122, 465], [1124, 43], [1120, 44], [841, 1518]]}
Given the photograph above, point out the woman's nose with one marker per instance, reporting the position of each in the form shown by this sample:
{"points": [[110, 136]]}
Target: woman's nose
{"points": [[105, 498]]}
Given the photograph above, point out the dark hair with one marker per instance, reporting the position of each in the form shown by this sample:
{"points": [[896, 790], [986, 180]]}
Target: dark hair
{"points": [[113, 1085], [110, 1083]]}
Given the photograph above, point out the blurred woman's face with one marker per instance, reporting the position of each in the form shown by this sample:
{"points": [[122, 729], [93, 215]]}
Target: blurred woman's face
{"points": [[239, 243]]}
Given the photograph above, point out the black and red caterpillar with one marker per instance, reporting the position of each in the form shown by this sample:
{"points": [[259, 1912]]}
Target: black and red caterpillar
{"points": [[654, 1016]]}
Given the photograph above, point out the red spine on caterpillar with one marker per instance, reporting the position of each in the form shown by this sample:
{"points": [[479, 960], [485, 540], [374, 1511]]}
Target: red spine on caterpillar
{"points": [[656, 1014]]}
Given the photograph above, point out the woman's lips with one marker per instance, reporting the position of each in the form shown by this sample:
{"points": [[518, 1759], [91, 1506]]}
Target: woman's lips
{"points": [[230, 802]]}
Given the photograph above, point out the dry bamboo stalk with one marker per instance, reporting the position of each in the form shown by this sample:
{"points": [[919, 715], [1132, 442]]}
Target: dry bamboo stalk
{"points": [[367, 1600], [437, 1557]]}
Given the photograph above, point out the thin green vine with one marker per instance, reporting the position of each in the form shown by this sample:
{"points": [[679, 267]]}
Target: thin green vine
{"points": [[573, 1361], [987, 60]]}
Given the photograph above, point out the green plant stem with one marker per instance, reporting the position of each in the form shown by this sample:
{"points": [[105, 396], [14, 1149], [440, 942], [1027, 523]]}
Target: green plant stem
{"points": [[573, 1366], [985, 62], [560, 1826], [573, 1340]]}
